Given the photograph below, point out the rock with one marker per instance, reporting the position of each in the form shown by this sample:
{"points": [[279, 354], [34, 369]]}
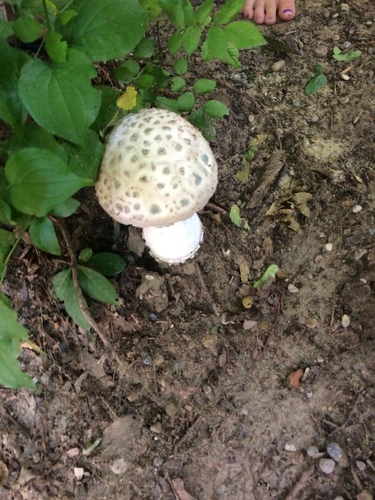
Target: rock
{"points": [[314, 119], [361, 465], [292, 288], [356, 209], [277, 66], [345, 7], [328, 247], [345, 320], [156, 427], [327, 465], [313, 451], [334, 451], [364, 495], [321, 51], [290, 447]]}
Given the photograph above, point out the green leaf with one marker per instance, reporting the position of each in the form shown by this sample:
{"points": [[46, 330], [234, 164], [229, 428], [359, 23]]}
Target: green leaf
{"points": [[55, 47], [191, 39], [34, 136], [203, 11], [316, 83], [175, 43], [174, 10], [185, 102], [66, 209], [60, 283], [105, 30], [270, 272], [27, 29], [60, 97], [84, 160], [7, 240], [153, 6], [348, 56], [66, 16], [72, 306], [244, 35], [204, 86], [97, 286], [107, 263], [180, 66], [43, 235], [127, 71], [204, 123], [40, 181], [166, 103], [108, 107], [145, 81], [215, 45], [85, 255], [236, 218], [10, 374], [215, 109], [144, 49], [228, 11], [5, 28], [5, 214], [178, 84]]}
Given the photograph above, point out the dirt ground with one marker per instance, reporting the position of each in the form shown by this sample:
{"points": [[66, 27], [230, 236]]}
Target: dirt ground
{"points": [[221, 390]]}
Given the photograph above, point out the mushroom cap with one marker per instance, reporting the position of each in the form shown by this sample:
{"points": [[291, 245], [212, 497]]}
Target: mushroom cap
{"points": [[157, 169]]}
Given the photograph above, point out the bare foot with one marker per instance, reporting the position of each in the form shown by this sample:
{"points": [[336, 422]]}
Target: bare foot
{"points": [[265, 11]]}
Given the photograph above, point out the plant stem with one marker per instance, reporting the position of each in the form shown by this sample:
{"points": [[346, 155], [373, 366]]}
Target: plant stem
{"points": [[8, 257], [46, 16]]}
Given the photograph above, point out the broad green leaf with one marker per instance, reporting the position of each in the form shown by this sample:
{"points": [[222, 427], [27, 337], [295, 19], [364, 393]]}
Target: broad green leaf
{"points": [[60, 283], [127, 71], [180, 66], [175, 43], [204, 123], [185, 102], [153, 6], [66, 16], [236, 218], [10, 374], [203, 11], [5, 28], [270, 272], [56, 48], [72, 306], [7, 240], [5, 215], [228, 11], [316, 83], [10, 329], [97, 286], [215, 109], [191, 39], [178, 84], [145, 81], [60, 97], [204, 86], [27, 29], [4, 300], [188, 13], [84, 160], [233, 55], [105, 30], [160, 76], [215, 45], [107, 263], [40, 181], [244, 35], [144, 49], [66, 209], [43, 235], [34, 136], [174, 10]]}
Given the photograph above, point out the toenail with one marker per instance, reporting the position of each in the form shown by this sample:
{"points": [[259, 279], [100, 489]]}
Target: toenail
{"points": [[287, 11]]}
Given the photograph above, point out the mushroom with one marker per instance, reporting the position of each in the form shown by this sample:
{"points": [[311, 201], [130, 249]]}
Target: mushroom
{"points": [[156, 173]]}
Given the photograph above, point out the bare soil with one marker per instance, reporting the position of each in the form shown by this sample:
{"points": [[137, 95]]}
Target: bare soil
{"points": [[207, 401]]}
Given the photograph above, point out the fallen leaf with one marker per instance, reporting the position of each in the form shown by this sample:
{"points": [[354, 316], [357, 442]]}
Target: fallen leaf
{"points": [[128, 99], [294, 378], [179, 489], [272, 170]]}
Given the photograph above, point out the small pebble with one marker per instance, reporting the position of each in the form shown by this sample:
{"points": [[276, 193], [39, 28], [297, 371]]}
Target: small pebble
{"points": [[326, 465], [290, 447], [345, 320], [320, 359], [359, 253], [158, 461], [321, 51], [346, 44], [237, 77], [345, 7], [314, 119], [356, 209], [292, 288], [334, 451], [296, 104], [344, 100], [147, 361], [156, 427], [345, 77], [328, 247], [277, 66], [312, 451], [251, 118], [361, 465]]}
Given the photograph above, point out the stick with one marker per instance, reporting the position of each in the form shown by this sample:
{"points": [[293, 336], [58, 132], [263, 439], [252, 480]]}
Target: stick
{"points": [[301, 483]]}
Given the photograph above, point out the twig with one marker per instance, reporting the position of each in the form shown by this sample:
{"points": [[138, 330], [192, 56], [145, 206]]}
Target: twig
{"points": [[81, 300], [216, 208], [356, 480], [190, 433], [301, 483], [205, 292], [356, 402]]}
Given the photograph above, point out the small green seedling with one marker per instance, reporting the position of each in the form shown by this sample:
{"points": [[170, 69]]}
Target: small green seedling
{"points": [[347, 56], [270, 273], [317, 82], [236, 218]]}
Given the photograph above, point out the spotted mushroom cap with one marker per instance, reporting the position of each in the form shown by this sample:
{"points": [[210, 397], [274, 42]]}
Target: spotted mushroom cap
{"points": [[157, 169]]}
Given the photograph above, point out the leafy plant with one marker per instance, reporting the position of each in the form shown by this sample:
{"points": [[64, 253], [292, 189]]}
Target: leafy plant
{"points": [[345, 56], [54, 114], [236, 218], [317, 82]]}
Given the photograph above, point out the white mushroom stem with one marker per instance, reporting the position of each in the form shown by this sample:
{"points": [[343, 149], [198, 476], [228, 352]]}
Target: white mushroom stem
{"points": [[175, 243]]}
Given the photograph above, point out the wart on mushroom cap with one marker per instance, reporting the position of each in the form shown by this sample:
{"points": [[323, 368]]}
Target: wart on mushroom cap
{"points": [[158, 171]]}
